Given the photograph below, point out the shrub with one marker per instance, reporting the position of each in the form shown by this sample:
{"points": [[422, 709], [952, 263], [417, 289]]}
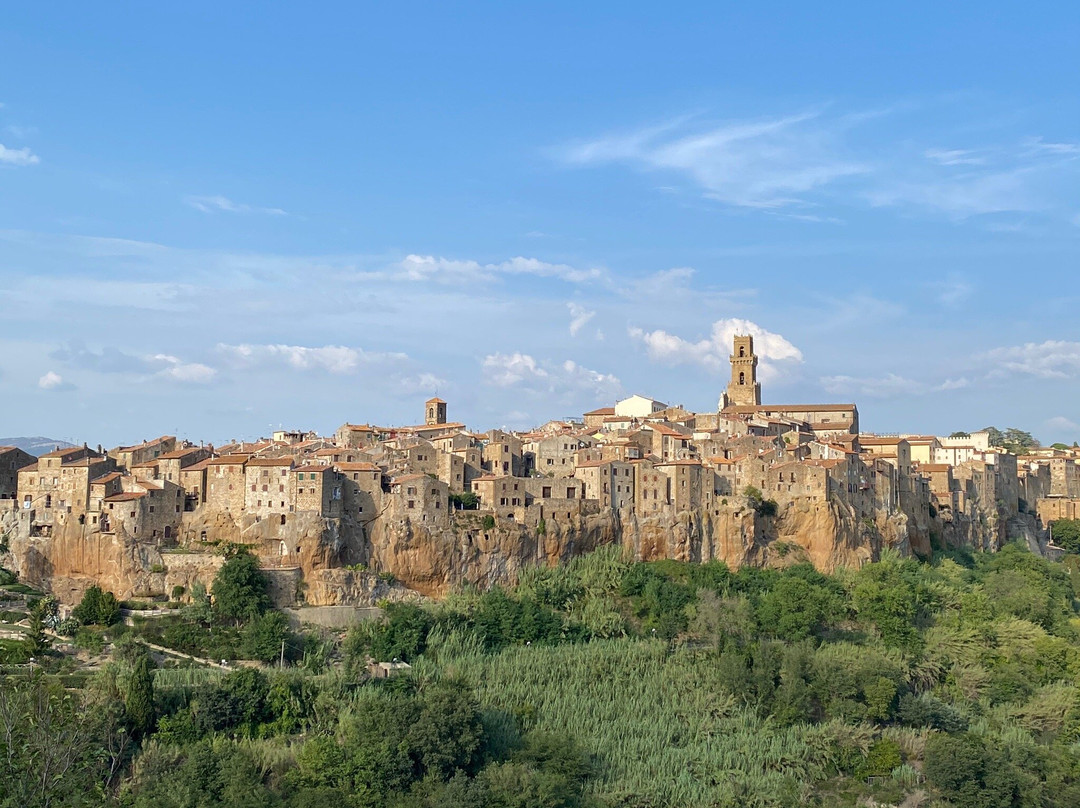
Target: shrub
{"points": [[97, 607]]}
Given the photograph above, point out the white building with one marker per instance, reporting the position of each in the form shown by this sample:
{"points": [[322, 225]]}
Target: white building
{"points": [[638, 406]]}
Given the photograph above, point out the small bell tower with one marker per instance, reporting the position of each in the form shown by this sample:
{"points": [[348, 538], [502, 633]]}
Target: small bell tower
{"points": [[435, 412], [744, 388]]}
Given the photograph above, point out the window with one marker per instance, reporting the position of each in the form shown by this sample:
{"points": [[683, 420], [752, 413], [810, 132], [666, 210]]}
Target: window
{"points": [[412, 504], [742, 378], [570, 493]]}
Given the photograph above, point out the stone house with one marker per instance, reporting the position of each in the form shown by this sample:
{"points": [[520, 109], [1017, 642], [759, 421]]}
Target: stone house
{"points": [[685, 487], [553, 455], [58, 486], [610, 482], [652, 488], [669, 442], [502, 454], [171, 463], [356, 436], [318, 490], [268, 487], [420, 498], [128, 456], [362, 489], [594, 419], [11, 460], [226, 483]]}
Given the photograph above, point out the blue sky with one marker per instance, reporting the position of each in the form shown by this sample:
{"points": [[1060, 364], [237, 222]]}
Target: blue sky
{"points": [[219, 217]]}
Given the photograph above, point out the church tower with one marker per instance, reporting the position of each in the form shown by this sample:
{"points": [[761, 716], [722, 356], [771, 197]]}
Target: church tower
{"points": [[744, 389], [436, 412]]}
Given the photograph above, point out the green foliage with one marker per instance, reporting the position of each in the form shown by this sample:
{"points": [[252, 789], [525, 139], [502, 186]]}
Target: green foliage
{"points": [[97, 608], [36, 642], [240, 588], [465, 501], [139, 701], [262, 638], [1066, 533], [488, 522]]}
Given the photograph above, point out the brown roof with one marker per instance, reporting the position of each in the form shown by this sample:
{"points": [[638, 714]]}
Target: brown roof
{"points": [[682, 462], [126, 496], [312, 467], [228, 460], [107, 478], [200, 466], [180, 453], [934, 467], [751, 408], [146, 464], [286, 460], [434, 401], [31, 467], [602, 411], [65, 452], [358, 467]]}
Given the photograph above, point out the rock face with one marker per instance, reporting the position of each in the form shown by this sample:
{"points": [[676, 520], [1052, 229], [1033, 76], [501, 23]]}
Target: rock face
{"points": [[335, 562]]}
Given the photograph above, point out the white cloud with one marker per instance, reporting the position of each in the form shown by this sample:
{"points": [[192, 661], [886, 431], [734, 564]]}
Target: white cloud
{"points": [[766, 163], [217, 204], [713, 352], [579, 316], [521, 370], [1059, 423], [51, 381], [954, 157], [331, 358], [1053, 359], [891, 385], [507, 370], [177, 370], [446, 270], [18, 157]]}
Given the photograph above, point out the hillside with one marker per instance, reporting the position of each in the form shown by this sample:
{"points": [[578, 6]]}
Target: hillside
{"points": [[37, 445], [600, 683]]}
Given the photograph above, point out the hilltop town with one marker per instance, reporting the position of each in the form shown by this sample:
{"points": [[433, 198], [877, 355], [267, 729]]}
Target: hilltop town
{"points": [[376, 512]]}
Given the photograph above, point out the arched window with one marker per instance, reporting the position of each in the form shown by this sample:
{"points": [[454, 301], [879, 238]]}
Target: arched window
{"points": [[431, 412], [742, 350], [742, 378]]}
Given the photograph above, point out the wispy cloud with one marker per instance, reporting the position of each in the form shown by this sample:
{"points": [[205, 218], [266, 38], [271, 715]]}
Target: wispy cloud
{"points": [[338, 359], [579, 317], [18, 157], [816, 158], [713, 351], [767, 163], [522, 371], [221, 204], [890, 385], [110, 359], [1053, 359], [448, 270]]}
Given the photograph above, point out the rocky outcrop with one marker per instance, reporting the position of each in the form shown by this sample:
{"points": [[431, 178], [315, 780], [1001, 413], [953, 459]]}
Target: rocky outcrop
{"points": [[317, 561]]}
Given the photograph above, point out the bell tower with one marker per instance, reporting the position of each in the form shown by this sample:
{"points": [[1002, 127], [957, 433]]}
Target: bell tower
{"points": [[744, 389], [435, 412]]}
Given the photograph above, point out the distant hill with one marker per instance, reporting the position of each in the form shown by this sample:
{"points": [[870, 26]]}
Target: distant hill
{"points": [[35, 446]]}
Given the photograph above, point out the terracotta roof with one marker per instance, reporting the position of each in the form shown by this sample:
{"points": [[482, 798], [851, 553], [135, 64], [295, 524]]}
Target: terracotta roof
{"points": [[602, 411], [107, 478], [145, 444], [146, 464], [434, 401], [588, 464], [664, 429], [312, 467], [31, 467], [229, 460], [286, 460], [173, 455], [686, 461], [200, 466], [126, 496], [934, 467], [65, 452], [358, 466]]}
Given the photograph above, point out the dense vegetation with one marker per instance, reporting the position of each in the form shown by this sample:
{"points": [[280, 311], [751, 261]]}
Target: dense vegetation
{"points": [[601, 683]]}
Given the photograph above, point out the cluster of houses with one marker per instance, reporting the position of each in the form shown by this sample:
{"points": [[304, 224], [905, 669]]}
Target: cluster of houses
{"points": [[638, 456]]}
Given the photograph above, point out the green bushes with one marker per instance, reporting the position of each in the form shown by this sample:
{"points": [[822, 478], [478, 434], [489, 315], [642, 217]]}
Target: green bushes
{"points": [[97, 608]]}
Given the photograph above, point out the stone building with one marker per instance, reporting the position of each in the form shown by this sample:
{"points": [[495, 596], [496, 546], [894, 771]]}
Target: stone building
{"points": [[743, 390], [226, 483], [11, 460], [128, 456], [435, 412], [317, 490], [268, 488], [58, 486], [610, 482], [502, 454]]}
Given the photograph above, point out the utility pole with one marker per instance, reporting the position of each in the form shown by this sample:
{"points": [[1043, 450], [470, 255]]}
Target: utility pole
{"points": [[282, 665]]}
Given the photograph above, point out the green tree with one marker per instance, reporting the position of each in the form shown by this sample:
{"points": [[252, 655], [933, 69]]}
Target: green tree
{"points": [[36, 642], [263, 636], [240, 588], [1066, 533], [139, 702], [97, 608]]}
